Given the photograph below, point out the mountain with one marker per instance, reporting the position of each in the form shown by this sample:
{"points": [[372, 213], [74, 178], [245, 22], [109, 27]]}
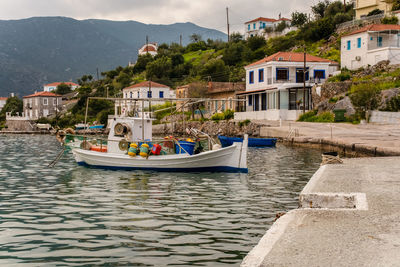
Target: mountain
{"points": [[42, 50]]}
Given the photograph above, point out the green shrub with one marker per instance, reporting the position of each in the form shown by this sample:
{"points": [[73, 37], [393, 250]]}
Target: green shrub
{"points": [[365, 96], [229, 114], [244, 123], [390, 20], [312, 116], [218, 116], [333, 100], [393, 105], [308, 115], [344, 76]]}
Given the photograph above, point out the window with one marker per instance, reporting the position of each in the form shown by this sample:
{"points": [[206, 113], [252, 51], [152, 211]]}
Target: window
{"points": [[379, 40], [251, 77], [260, 75], [149, 94], [138, 94], [319, 74], [161, 94], [359, 42], [45, 101], [131, 94], [250, 97], [372, 38], [55, 101], [254, 26], [248, 27], [348, 45], [282, 74], [263, 25]]}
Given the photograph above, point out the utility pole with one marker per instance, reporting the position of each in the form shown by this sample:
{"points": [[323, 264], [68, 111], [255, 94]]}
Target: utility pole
{"points": [[344, 5], [97, 71], [227, 22], [304, 82], [150, 95], [180, 40], [147, 44]]}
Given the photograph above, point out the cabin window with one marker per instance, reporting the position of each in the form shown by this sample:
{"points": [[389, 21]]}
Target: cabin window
{"points": [[282, 74], [45, 101], [359, 42], [348, 45], [149, 94], [161, 94], [251, 77]]}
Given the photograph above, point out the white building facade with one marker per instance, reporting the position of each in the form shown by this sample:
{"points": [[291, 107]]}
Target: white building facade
{"points": [[53, 86], [3, 101], [266, 27], [369, 45], [275, 88], [150, 48], [145, 90]]}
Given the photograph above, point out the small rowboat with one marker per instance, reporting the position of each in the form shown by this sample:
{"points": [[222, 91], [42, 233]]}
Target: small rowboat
{"points": [[253, 142]]}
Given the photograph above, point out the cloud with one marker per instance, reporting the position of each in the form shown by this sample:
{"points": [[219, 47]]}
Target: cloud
{"points": [[206, 13]]}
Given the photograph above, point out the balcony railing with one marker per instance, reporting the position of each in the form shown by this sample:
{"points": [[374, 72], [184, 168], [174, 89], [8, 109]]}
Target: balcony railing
{"points": [[311, 80]]}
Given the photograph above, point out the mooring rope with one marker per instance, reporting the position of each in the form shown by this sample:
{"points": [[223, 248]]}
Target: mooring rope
{"points": [[329, 159], [58, 157]]}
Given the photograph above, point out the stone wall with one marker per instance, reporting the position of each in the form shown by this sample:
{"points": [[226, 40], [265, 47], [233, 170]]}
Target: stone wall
{"points": [[228, 128]]}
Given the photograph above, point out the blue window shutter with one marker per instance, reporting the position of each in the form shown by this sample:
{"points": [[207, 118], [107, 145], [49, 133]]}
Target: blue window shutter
{"points": [[348, 45], [254, 26], [248, 27], [359, 42], [250, 100], [260, 75], [251, 77], [149, 94], [161, 94]]}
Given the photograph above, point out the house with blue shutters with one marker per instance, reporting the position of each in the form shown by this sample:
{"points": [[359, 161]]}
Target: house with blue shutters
{"points": [[148, 90], [266, 27], [275, 85], [369, 45]]}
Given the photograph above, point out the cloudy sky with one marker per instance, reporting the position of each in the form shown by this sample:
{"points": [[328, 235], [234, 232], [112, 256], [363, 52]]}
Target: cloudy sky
{"points": [[206, 13]]}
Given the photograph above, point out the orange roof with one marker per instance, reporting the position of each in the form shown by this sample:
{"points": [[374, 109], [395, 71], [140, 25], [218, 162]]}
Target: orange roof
{"points": [[146, 84], [3, 98], [58, 83], [43, 93], [376, 28], [262, 19], [149, 48], [286, 19], [291, 57]]}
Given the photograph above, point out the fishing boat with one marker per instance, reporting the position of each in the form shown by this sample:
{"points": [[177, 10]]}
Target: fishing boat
{"points": [[252, 142], [130, 146]]}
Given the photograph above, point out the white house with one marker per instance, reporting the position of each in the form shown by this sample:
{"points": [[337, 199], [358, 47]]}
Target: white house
{"points": [[259, 25], [144, 90], [150, 48], [3, 101], [369, 45], [274, 85], [53, 86]]}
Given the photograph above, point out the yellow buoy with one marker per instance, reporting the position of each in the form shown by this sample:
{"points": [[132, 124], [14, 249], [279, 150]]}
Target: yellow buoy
{"points": [[144, 150], [132, 150]]}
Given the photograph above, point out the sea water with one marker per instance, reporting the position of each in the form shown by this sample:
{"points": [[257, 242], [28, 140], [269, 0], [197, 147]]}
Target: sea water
{"points": [[76, 216]]}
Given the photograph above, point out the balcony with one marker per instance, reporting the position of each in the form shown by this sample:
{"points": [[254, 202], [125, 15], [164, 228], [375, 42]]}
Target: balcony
{"points": [[311, 80]]}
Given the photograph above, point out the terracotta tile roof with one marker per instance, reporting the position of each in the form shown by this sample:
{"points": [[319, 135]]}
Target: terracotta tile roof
{"points": [[285, 19], [146, 84], [291, 57], [262, 19], [43, 93], [58, 83], [376, 28], [3, 98], [149, 48]]}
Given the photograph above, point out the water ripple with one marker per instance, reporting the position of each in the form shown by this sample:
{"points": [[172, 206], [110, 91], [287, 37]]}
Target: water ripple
{"points": [[75, 216]]}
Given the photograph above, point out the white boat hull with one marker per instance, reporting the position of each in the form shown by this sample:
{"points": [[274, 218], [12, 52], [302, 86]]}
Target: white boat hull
{"points": [[228, 159]]}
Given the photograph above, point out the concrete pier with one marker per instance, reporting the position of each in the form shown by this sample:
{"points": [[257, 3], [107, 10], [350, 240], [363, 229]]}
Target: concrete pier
{"points": [[367, 139], [349, 215]]}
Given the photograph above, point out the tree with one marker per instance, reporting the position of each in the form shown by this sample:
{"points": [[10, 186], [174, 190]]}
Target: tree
{"points": [[390, 20], [233, 54], [299, 19], [197, 90], [159, 68], [141, 63], [396, 5], [195, 38], [365, 97], [216, 69], [235, 37], [13, 105], [63, 89], [281, 26], [256, 42], [319, 9]]}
